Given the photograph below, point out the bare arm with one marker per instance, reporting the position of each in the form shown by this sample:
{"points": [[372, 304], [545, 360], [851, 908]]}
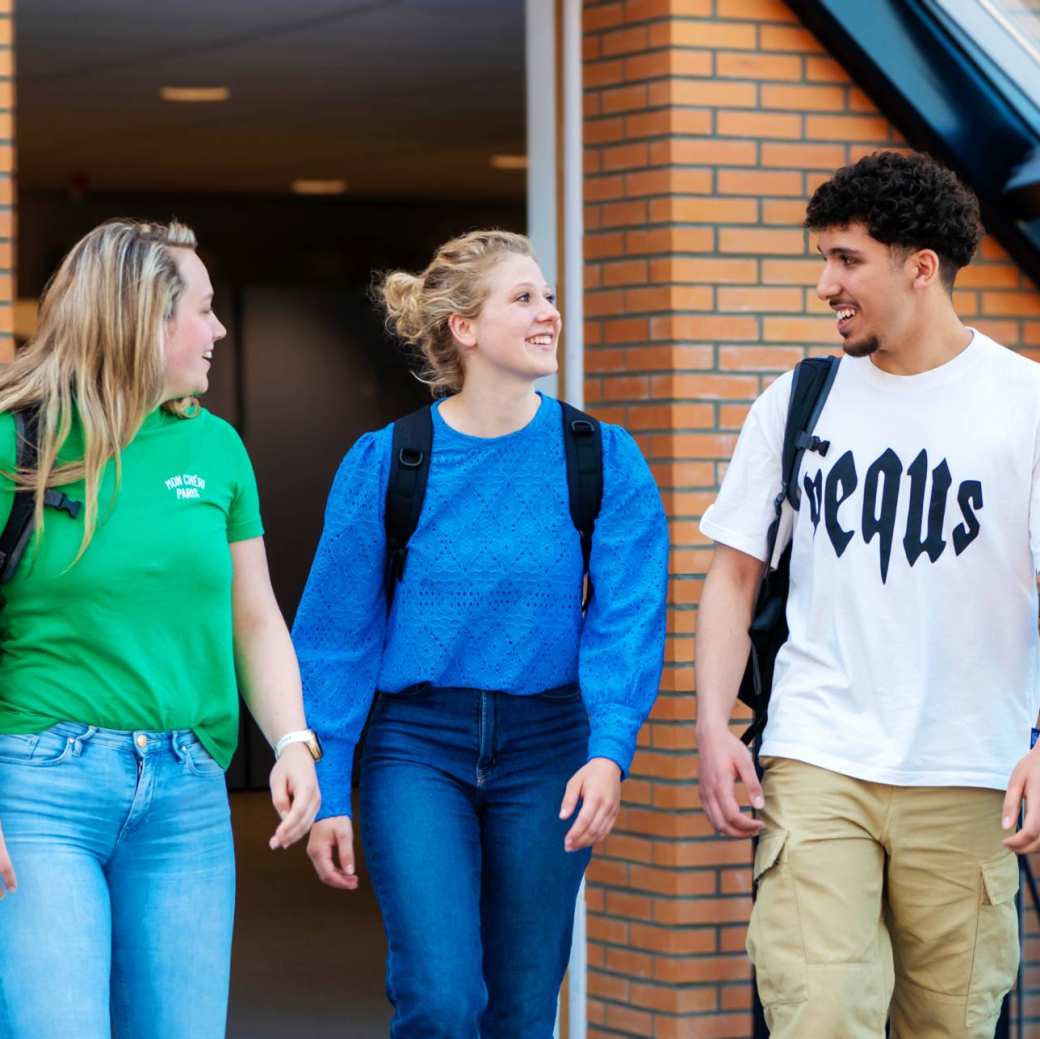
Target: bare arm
{"points": [[722, 651], [270, 681]]}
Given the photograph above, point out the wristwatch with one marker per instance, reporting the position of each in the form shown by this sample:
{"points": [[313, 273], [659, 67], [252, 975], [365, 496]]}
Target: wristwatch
{"points": [[306, 736]]}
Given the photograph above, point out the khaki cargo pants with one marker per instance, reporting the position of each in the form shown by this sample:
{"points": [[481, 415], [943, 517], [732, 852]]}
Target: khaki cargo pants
{"points": [[878, 900]]}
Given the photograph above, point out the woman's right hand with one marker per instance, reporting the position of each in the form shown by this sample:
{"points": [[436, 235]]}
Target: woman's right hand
{"points": [[6, 868], [331, 850]]}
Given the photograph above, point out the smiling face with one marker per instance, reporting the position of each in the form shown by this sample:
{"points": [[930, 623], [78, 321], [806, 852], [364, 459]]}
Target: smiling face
{"points": [[516, 333], [870, 287], [192, 331]]}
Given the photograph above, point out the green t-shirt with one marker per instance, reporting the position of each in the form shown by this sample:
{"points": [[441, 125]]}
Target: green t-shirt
{"points": [[138, 634]]}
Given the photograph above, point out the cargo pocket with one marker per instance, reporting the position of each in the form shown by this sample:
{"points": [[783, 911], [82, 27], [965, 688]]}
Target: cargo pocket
{"points": [[995, 959], [774, 940]]}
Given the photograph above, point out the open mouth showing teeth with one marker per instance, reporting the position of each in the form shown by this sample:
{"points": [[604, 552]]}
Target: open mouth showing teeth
{"points": [[208, 355], [845, 313], [542, 340]]}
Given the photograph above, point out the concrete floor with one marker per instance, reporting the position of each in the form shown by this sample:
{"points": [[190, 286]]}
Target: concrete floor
{"points": [[307, 960]]}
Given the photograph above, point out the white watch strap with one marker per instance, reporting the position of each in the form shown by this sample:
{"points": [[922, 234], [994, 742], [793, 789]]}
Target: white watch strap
{"points": [[297, 736]]}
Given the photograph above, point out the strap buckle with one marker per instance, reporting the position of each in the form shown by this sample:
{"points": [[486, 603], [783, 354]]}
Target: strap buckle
{"points": [[804, 442], [60, 500], [411, 457], [582, 427]]}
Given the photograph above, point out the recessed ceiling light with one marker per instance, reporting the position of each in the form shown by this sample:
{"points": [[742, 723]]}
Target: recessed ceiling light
{"points": [[332, 186], [195, 93], [509, 162]]}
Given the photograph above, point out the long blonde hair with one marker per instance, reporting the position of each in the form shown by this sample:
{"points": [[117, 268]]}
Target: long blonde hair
{"points": [[418, 307], [98, 354]]}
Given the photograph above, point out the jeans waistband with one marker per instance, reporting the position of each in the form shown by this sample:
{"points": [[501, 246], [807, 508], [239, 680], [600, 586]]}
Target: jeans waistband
{"points": [[140, 740], [567, 689]]}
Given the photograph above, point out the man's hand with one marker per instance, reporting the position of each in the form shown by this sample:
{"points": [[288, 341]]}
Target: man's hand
{"points": [[598, 786], [1025, 783], [723, 761], [332, 839]]}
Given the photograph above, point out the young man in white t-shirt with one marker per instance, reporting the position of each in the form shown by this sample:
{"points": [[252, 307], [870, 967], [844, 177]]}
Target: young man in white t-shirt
{"points": [[897, 749]]}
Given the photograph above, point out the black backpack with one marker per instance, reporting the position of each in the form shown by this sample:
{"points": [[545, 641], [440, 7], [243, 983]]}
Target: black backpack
{"points": [[19, 527], [410, 467], [812, 382]]}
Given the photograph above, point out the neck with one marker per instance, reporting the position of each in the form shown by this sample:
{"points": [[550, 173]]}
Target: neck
{"points": [[934, 338], [490, 410]]}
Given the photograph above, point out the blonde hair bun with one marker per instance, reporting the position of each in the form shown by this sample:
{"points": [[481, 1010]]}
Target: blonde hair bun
{"points": [[419, 306]]}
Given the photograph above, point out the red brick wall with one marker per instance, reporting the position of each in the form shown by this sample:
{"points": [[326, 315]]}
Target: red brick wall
{"points": [[6, 179], [708, 123]]}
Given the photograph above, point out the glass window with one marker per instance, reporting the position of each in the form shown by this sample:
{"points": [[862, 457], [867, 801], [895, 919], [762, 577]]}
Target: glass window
{"points": [[1007, 32]]}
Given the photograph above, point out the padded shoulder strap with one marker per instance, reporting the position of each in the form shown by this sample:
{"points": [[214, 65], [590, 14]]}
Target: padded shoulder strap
{"points": [[583, 450], [812, 382], [405, 490], [19, 521]]}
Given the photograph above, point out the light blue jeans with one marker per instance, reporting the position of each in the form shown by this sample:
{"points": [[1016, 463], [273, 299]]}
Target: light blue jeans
{"points": [[121, 922]]}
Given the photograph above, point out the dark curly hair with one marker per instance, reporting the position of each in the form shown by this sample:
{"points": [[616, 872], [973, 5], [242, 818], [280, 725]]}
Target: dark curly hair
{"points": [[907, 201]]}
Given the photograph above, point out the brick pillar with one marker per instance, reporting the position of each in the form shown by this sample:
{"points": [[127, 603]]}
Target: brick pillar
{"points": [[708, 123], [7, 188]]}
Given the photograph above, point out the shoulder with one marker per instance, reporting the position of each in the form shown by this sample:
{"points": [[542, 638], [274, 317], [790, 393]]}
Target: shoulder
{"points": [[206, 425], [367, 457], [776, 396], [622, 456], [373, 445], [1008, 362]]}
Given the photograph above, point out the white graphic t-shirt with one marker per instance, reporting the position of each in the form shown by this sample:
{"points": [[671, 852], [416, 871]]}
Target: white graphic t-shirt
{"points": [[913, 651]]}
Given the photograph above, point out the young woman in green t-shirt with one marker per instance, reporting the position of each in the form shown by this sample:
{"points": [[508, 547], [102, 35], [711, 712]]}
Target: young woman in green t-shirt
{"points": [[120, 634]]}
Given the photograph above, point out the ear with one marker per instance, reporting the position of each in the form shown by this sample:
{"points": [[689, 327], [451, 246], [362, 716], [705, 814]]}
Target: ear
{"points": [[462, 329], [924, 267]]}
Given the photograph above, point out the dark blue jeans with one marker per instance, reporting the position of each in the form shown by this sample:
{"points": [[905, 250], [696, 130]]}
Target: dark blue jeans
{"points": [[460, 797]]}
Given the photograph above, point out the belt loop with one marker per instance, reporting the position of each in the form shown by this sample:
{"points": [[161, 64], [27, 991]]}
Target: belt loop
{"points": [[78, 741]]}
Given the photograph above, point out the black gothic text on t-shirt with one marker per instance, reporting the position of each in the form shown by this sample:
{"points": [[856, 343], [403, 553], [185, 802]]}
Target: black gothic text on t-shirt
{"points": [[882, 486]]}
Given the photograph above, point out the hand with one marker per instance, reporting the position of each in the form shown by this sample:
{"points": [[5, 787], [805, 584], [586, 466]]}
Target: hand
{"points": [[6, 868], [598, 786], [329, 838], [724, 760], [1025, 782], [295, 794]]}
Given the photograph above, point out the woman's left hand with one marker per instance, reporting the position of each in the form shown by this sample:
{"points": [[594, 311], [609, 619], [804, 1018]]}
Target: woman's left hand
{"points": [[598, 786], [295, 794]]}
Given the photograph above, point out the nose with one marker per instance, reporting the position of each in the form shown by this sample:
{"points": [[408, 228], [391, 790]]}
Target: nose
{"points": [[220, 331], [549, 312], [827, 286]]}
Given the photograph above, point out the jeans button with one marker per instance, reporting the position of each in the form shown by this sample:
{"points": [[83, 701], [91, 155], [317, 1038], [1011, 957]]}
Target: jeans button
{"points": [[142, 741]]}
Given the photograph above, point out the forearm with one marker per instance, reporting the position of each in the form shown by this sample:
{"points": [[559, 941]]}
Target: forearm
{"points": [[723, 645], [268, 675]]}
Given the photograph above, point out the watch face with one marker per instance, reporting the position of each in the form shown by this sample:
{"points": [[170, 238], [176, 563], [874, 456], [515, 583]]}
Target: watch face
{"points": [[314, 746]]}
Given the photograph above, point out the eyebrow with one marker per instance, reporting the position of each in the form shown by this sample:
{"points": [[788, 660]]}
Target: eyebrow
{"points": [[532, 286], [839, 250]]}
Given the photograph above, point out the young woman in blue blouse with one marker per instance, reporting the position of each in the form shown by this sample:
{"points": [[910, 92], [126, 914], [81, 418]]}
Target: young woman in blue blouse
{"points": [[503, 718]]}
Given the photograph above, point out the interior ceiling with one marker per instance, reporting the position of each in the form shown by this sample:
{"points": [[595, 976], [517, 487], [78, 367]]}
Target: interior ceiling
{"points": [[402, 98]]}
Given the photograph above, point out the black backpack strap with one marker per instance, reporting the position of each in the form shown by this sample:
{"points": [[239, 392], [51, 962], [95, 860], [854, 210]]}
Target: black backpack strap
{"points": [[810, 386], [812, 382], [583, 451], [19, 521], [405, 490], [19, 526]]}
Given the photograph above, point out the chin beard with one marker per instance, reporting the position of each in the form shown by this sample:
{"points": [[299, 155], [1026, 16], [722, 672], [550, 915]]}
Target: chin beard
{"points": [[863, 347]]}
